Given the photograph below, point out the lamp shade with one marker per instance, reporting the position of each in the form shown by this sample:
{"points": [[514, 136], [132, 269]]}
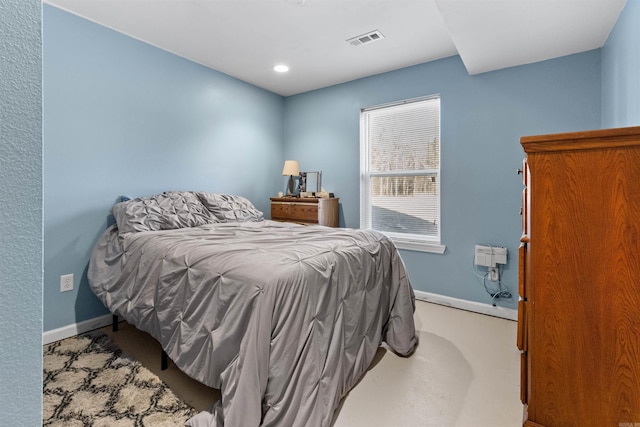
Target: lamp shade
{"points": [[291, 167]]}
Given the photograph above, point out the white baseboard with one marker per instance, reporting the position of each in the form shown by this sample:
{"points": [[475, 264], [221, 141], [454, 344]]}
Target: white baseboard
{"points": [[476, 307], [75, 329]]}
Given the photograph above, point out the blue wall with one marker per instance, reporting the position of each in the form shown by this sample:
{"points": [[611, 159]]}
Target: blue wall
{"points": [[20, 213], [123, 117], [621, 70], [21, 177], [483, 117]]}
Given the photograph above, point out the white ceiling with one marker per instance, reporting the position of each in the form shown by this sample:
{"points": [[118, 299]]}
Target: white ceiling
{"points": [[246, 38]]}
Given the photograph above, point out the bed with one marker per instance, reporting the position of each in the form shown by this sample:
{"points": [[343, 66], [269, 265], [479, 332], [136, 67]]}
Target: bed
{"points": [[284, 319]]}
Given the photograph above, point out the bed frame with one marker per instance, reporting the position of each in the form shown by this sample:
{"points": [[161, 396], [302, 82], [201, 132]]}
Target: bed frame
{"points": [[164, 358]]}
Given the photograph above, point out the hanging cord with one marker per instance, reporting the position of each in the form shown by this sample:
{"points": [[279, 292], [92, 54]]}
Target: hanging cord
{"points": [[500, 291]]}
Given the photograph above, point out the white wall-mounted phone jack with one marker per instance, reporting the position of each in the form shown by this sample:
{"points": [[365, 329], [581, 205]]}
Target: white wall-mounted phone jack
{"points": [[490, 257], [494, 274]]}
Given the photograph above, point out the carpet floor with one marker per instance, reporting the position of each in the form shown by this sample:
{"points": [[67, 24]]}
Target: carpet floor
{"points": [[89, 382]]}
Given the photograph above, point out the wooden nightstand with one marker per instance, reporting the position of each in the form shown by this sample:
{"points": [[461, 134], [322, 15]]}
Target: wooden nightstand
{"points": [[305, 210]]}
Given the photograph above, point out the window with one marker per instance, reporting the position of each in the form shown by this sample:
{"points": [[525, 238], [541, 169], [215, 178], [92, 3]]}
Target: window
{"points": [[400, 172]]}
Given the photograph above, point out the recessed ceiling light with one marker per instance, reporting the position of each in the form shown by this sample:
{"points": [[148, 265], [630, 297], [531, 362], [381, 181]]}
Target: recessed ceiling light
{"points": [[281, 68]]}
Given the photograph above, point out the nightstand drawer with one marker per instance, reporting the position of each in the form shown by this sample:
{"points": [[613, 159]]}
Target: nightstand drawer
{"points": [[323, 211], [294, 212]]}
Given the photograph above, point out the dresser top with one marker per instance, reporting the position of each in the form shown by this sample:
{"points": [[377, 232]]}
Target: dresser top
{"points": [[298, 199], [584, 140]]}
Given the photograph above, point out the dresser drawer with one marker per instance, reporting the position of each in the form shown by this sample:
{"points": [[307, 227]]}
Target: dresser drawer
{"points": [[524, 379], [522, 275], [522, 326]]}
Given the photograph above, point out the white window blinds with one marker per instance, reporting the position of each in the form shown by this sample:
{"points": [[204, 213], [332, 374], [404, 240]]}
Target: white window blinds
{"points": [[400, 169]]}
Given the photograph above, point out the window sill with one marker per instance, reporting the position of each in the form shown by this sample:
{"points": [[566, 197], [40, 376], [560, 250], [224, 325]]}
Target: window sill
{"points": [[413, 245]]}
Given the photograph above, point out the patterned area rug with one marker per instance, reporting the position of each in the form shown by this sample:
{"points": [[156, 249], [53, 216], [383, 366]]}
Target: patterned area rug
{"points": [[88, 381]]}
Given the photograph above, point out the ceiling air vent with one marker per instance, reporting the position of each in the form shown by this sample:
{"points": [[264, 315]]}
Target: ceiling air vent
{"points": [[366, 38]]}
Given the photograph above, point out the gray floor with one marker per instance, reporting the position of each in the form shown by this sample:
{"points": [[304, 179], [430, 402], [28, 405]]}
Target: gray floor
{"points": [[465, 373]]}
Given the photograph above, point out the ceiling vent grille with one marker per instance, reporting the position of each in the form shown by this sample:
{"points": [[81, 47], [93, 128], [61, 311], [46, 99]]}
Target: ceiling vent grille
{"points": [[366, 38]]}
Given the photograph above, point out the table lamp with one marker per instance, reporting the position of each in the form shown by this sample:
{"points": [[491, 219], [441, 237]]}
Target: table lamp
{"points": [[291, 167]]}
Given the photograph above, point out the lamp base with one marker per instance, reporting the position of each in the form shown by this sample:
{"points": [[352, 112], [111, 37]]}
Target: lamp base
{"points": [[290, 193]]}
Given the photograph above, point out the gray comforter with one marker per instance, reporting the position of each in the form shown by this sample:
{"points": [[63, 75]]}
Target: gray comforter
{"points": [[283, 319]]}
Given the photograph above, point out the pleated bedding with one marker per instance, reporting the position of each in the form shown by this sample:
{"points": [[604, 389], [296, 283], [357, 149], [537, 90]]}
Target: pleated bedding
{"points": [[284, 319]]}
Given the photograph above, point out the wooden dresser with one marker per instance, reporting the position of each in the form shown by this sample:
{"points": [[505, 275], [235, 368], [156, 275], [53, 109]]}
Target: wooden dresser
{"points": [[306, 210], [579, 274]]}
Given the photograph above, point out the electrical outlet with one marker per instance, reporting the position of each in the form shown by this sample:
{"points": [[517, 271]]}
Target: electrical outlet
{"points": [[66, 282], [494, 274]]}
